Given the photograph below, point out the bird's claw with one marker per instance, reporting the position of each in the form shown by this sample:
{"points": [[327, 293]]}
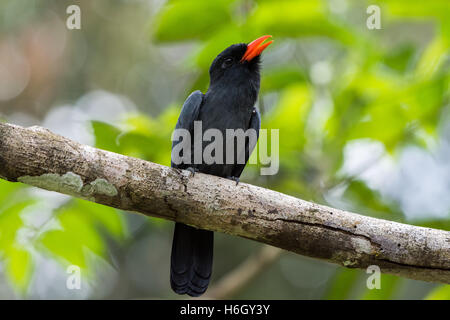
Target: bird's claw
{"points": [[192, 170], [234, 179]]}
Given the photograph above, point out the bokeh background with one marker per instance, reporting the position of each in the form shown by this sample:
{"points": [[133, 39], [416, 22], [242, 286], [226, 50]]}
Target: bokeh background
{"points": [[363, 118]]}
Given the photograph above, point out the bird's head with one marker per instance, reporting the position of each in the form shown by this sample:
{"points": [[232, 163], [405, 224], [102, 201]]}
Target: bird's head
{"points": [[239, 63]]}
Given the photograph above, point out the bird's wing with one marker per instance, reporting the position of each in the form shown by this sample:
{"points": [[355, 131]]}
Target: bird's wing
{"points": [[255, 123], [189, 113]]}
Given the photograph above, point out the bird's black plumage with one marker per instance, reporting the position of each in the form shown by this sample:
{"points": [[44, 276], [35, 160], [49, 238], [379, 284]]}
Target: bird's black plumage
{"points": [[228, 104]]}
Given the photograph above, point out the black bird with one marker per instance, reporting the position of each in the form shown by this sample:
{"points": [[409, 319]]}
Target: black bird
{"points": [[228, 104]]}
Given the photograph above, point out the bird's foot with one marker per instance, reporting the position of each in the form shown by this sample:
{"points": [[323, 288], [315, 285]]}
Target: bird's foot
{"points": [[192, 170], [234, 179]]}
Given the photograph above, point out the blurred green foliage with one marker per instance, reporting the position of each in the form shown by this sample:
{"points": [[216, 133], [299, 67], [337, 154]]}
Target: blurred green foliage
{"points": [[381, 87]]}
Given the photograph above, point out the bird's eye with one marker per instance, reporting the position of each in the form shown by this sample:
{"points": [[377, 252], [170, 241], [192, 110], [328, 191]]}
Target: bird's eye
{"points": [[227, 62]]}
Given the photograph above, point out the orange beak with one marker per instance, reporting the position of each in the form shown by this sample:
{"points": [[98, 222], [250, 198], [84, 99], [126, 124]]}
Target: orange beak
{"points": [[255, 48]]}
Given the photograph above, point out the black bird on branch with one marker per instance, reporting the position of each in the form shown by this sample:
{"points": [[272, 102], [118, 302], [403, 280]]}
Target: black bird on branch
{"points": [[228, 104]]}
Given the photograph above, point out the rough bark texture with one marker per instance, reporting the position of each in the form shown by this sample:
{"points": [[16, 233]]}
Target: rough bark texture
{"points": [[40, 158]]}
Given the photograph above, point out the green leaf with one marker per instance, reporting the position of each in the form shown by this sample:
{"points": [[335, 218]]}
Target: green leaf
{"points": [[10, 223], [106, 217], [389, 285], [18, 261], [281, 78], [80, 223], [432, 58], [106, 136], [439, 293], [19, 267], [78, 234], [180, 20], [296, 18], [66, 247], [369, 202], [399, 59], [289, 117], [343, 284], [7, 189], [416, 9], [385, 122]]}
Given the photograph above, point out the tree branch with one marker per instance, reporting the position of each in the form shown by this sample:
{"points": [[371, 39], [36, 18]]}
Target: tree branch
{"points": [[40, 158]]}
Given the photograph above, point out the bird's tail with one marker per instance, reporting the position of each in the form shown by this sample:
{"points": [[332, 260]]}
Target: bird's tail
{"points": [[191, 260]]}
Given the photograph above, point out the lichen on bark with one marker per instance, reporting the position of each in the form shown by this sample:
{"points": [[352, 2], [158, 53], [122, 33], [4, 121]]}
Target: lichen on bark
{"points": [[71, 184]]}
